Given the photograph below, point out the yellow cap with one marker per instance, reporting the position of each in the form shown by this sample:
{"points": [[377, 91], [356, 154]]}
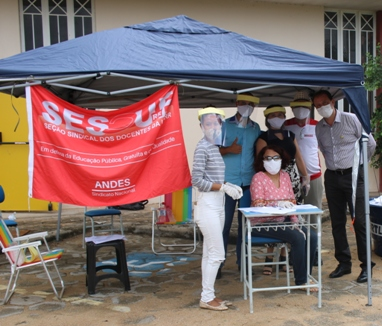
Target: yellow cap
{"points": [[210, 109], [248, 98], [273, 109]]}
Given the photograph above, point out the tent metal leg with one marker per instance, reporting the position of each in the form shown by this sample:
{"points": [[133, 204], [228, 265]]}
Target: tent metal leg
{"points": [[58, 221]]}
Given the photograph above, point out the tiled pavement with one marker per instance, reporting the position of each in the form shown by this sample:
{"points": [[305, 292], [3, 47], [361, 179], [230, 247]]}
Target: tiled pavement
{"points": [[166, 289]]}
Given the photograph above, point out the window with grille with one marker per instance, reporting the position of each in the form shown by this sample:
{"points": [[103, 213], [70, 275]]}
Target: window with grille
{"points": [[47, 22], [349, 36]]}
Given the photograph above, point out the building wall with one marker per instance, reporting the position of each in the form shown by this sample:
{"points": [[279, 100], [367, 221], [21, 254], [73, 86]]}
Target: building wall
{"points": [[258, 20], [295, 26], [9, 28]]}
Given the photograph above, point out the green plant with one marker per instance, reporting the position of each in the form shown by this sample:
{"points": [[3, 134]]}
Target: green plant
{"points": [[373, 81]]}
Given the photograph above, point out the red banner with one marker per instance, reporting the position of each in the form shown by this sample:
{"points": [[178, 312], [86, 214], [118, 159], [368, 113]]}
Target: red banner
{"points": [[92, 158]]}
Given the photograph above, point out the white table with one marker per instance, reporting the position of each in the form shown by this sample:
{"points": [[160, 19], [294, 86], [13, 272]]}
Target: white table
{"points": [[303, 211]]}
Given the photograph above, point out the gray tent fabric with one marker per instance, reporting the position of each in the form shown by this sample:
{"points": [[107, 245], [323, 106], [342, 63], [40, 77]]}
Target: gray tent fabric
{"points": [[181, 50]]}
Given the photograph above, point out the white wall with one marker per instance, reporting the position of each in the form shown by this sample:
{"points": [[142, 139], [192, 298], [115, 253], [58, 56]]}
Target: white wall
{"points": [[296, 26], [9, 28]]}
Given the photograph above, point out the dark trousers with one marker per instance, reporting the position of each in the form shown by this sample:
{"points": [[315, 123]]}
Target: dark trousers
{"points": [[230, 206], [338, 190], [298, 247]]}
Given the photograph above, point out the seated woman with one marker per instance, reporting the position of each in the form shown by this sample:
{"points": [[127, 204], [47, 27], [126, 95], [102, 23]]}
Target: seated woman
{"points": [[271, 186]]}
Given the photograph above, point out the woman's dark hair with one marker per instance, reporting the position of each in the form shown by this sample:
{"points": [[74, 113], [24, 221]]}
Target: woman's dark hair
{"points": [[259, 165]]}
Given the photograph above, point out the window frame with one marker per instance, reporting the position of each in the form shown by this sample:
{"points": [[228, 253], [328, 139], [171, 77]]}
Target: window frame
{"points": [[358, 38], [46, 25]]}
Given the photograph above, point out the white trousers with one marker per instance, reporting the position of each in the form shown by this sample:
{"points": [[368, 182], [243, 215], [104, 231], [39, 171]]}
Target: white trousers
{"points": [[209, 215]]}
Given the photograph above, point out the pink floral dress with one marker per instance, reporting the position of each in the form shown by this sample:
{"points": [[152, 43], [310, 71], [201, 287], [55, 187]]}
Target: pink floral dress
{"points": [[265, 193]]}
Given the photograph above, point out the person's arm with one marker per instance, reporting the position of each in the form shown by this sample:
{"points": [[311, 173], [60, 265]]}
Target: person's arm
{"points": [[216, 186], [198, 168], [198, 171], [260, 144], [318, 140], [198, 176], [291, 198], [257, 191], [300, 161], [234, 148], [371, 145]]}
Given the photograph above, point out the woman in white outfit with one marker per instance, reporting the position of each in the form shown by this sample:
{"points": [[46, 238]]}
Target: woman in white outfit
{"points": [[208, 176]]}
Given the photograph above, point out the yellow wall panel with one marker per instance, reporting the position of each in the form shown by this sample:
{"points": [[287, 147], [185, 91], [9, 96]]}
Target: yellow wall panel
{"points": [[14, 158]]}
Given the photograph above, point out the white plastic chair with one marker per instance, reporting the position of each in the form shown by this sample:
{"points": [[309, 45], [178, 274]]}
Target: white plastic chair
{"points": [[16, 249]]}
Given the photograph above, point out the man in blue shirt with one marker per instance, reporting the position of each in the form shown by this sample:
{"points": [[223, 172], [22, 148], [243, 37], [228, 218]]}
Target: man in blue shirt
{"points": [[239, 156]]}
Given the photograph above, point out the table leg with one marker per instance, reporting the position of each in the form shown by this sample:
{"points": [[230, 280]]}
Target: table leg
{"points": [[319, 260]]}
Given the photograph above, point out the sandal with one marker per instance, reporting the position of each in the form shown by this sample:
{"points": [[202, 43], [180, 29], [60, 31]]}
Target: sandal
{"points": [[283, 269], [313, 290], [267, 270]]}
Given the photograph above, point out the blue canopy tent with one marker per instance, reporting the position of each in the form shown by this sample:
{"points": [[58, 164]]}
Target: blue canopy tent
{"points": [[114, 68]]}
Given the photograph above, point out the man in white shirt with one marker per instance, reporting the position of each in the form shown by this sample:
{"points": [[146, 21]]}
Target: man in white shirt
{"points": [[305, 130]]}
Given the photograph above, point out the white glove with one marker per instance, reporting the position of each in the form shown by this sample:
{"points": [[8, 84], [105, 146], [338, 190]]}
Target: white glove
{"points": [[230, 191], [236, 187], [285, 204], [305, 185]]}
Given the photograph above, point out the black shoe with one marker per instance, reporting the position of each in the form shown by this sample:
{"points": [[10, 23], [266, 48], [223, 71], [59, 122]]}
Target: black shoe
{"points": [[219, 274], [362, 278], [340, 271]]}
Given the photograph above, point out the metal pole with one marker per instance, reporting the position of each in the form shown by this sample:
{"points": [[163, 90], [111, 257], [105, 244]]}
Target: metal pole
{"points": [[58, 221], [365, 140]]}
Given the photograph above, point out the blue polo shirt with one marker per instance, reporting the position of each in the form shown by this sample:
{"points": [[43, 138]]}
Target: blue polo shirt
{"points": [[239, 168]]}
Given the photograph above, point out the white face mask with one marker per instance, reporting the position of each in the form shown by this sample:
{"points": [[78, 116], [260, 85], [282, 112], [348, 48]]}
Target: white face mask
{"points": [[301, 112], [276, 122], [325, 111], [245, 110], [272, 167]]}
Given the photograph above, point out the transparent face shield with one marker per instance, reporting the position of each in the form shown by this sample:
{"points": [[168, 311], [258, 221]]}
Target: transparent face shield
{"points": [[214, 128]]}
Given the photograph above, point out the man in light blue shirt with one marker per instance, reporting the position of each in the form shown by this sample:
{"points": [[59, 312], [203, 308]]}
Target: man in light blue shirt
{"points": [[239, 156]]}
